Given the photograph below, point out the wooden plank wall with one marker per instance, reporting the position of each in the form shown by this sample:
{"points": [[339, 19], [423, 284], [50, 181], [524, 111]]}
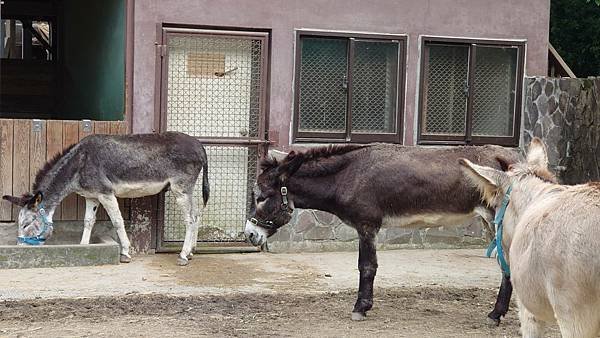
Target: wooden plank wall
{"points": [[24, 151]]}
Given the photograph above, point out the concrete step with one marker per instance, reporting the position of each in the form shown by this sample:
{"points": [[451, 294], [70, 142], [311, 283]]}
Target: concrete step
{"points": [[61, 250]]}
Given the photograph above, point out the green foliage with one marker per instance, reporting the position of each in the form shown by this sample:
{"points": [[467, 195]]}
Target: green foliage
{"points": [[575, 33]]}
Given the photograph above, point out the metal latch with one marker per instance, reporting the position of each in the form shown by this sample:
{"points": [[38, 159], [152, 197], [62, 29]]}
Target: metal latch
{"points": [[162, 49], [36, 125], [87, 126], [221, 74]]}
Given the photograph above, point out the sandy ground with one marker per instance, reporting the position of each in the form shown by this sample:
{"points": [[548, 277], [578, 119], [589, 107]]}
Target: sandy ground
{"points": [[418, 293]]}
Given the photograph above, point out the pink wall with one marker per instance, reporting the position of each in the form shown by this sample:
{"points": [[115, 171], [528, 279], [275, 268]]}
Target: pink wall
{"points": [[510, 19]]}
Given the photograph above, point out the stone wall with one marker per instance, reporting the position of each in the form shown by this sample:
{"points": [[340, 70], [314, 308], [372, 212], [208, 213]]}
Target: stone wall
{"points": [[314, 230], [565, 114]]}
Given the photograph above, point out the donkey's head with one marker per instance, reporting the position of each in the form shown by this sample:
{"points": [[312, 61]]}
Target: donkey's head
{"points": [[33, 225], [493, 184], [272, 207]]}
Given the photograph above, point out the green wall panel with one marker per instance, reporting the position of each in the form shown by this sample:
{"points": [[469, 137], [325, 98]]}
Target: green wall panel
{"points": [[93, 51]]}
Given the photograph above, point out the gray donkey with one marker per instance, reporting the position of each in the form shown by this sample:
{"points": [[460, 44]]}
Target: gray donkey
{"points": [[104, 167]]}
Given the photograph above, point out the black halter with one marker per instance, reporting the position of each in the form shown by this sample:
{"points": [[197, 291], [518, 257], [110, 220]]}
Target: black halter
{"points": [[284, 207], [284, 200]]}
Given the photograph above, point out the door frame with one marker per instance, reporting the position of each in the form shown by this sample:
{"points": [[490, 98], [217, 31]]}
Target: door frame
{"points": [[261, 142]]}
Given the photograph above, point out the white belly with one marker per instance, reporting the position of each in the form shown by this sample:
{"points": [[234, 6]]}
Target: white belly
{"points": [[428, 220], [138, 189]]}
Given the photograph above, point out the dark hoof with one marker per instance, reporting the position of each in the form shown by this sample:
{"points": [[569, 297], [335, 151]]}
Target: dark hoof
{"points": [[493, 320], [182, 261], [358, 316], [124, 259]]}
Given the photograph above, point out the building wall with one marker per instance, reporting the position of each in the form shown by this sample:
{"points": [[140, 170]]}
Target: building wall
{"points": [[310, 229], [467, 18]]}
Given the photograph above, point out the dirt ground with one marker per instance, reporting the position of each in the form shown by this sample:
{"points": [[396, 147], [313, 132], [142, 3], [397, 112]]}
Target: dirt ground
{"points": [[418, 293]]}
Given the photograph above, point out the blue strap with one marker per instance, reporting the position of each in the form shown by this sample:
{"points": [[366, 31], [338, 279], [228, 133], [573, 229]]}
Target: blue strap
{"points": [[34, 240], [38, 239], [497, 242]]}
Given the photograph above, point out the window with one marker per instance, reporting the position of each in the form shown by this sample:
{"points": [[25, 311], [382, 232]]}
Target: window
{"points": [[347, 87], [26, 39], [470, 92]]}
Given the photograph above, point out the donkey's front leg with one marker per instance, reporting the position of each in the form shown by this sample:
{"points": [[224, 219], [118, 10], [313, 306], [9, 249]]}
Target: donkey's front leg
{"points": [[91, 207], [367, 265], [502, 301], [110, 204]]}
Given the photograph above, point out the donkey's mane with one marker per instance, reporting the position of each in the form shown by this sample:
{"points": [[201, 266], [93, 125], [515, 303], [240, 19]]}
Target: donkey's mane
{"points": [[315, 159], [48, 166]]}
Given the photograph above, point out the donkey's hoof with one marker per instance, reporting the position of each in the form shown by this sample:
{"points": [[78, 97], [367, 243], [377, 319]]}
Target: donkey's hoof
{"points": [[358, 316], [182, 261], [190, 256], [124, 259], [493, 321]]}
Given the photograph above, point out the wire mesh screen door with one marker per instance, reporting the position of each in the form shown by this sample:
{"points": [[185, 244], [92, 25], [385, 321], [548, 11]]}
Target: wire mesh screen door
{"points": [[213, 87]]}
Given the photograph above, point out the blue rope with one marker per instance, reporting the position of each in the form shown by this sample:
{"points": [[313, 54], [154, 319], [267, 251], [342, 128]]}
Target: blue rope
{"points": [[497, 242]]}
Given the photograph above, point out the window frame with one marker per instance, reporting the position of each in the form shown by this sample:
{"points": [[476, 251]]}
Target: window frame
{"points": [[348, 136], [468, 138]]}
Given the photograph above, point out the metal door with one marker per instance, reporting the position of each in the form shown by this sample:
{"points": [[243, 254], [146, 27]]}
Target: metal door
{"points": [[213, 87]]}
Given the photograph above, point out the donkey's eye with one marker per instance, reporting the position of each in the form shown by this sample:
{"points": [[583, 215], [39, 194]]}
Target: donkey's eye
{"points": [[260, 199]]}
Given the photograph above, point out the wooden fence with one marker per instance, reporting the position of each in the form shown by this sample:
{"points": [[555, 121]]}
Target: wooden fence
{"points": [[26, 145]]}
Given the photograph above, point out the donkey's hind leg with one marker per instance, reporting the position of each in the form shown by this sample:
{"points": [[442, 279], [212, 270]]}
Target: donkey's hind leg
{"points": [[185, 202], [91, 206], [112, 209], [195, 232], [531, 327], [577, 316], [196, 221]]}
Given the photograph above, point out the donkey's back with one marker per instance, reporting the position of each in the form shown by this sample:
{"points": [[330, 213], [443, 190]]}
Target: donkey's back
{"points": [[141, 164], [419, 186]]}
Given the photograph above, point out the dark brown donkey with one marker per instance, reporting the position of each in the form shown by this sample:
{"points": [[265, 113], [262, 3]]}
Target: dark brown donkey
{"points": [[372, 186]]}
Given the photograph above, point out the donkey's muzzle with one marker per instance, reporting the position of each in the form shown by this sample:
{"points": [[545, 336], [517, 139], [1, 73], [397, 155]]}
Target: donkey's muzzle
{"points": [[255, 234]]}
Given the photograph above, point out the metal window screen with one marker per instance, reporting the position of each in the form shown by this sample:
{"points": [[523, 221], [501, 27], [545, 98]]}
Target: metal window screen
{"points": [[232, 173], [222, 104], [374, 79], [446, 90], [494, 91], [323, 89]]}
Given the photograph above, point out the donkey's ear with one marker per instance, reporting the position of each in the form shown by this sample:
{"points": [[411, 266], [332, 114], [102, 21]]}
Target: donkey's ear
{"points": [[15, 200], [486, 179], [505, 165], [536, 154], [290, 165], [35, 200]]}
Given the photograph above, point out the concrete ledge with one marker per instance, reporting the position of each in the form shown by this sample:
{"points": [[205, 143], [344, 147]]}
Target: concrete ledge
{"points": [[106, 251]]}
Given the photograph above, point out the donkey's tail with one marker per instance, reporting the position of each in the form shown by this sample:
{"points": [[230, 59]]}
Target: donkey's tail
{"points": [[205, 185]]}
